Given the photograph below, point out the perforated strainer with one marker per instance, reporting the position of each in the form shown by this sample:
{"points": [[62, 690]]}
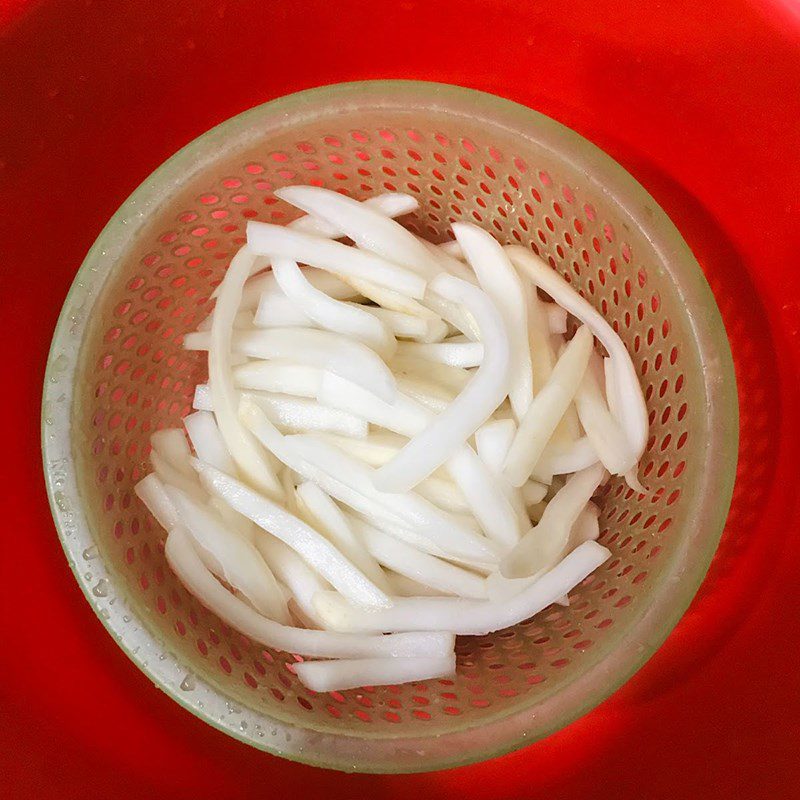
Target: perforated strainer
{"points": [[117, 372]]}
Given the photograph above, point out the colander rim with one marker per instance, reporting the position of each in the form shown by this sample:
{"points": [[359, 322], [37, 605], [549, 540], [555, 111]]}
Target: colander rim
{"points": [[147, 650]]}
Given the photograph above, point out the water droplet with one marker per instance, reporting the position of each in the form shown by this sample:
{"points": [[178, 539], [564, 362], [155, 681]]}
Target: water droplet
{"points": [[126, 618], [105, 613], [62, 501], [87, 576], [232, 709], [273, 731], [188, 684], [90, 552], [243, 725]]}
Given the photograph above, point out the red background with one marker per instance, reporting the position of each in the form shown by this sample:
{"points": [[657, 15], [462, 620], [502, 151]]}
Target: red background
{"points": [[700, 100]]}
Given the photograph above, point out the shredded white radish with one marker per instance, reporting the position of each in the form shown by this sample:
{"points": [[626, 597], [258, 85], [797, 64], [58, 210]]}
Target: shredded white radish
{"points": [[497, 277], [545, 543], [309, 544], [333, 315], [207, 441], [547, 409], [280, 242], [385, 495], [628, 396], [325, 676], [470, 409], [195, 576], [252, 465], [297, 414], [459, 615], [322, 349]]}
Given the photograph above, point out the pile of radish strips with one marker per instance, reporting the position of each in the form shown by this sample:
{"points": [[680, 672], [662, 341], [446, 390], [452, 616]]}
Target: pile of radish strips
{"points": [[397, 444]]}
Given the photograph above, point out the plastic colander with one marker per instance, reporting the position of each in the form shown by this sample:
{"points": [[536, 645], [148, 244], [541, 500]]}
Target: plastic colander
{"points": [[117, 372]]}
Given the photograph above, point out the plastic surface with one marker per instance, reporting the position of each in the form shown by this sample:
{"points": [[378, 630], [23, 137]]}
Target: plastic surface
{"points": [[712, 655]]}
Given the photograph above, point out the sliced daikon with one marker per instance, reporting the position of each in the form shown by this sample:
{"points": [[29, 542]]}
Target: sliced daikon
{"points": [[455, 354], [548, 407], [279, 376], [492, 441], [324, 350], [347, 319], [461, 616], [309, 544], [207, 441], [243, 450], [498, 278], [277, 241], [301, 414], [327, 676], [192, 573], [546, 543], [470, 409], [150, 490]]}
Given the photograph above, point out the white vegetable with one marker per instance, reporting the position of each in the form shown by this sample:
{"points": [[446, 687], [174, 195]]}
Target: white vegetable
{"points": [[607, 437], [186, 564], [325, 676], [171, 445], [389, 204], [547, 408], [422, 567], [368, 228], [409, 326], [276, 310], [545, 543], [470, 409], [558, 459], [465, 617], [295, 414], [533, 492], [207, 441], [492, 441], [556, 318], [498, 278], [231, 557], [276, 241], [259, 285], [586, 527], [455, 354], [280, 377], [150, 490], [331, 521], [244, 451], [628, 397], [347, 319], [310, 545], [322, 349], [404, 586]]}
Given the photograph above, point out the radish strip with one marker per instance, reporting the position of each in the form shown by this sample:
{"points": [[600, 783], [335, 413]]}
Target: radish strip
{"points": [[429, 394], [192, 573], [238, 562], [409, 326], [171, 476], [426, 569], [586, 527], [328, 676], [533, 492], [545, 544], [280, 377], [470, 409], [376, 449], [465, 617], [202, 398], [150, 490], [300, 580], [556, 318], [547, 408], [492, 441], [628, 397], [444, 494], [277, 241], [171, 445], [310, 545], [454, 378], [368, 228], [300, 414], [255, 469], [560, 460], [602, 430], [259, 285], [322, 349], [330, 520], [207, 441], [389, 204], [333, 315], [404, 586], [439, 527], [454, 354], [278, 311], [498, 278]]}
